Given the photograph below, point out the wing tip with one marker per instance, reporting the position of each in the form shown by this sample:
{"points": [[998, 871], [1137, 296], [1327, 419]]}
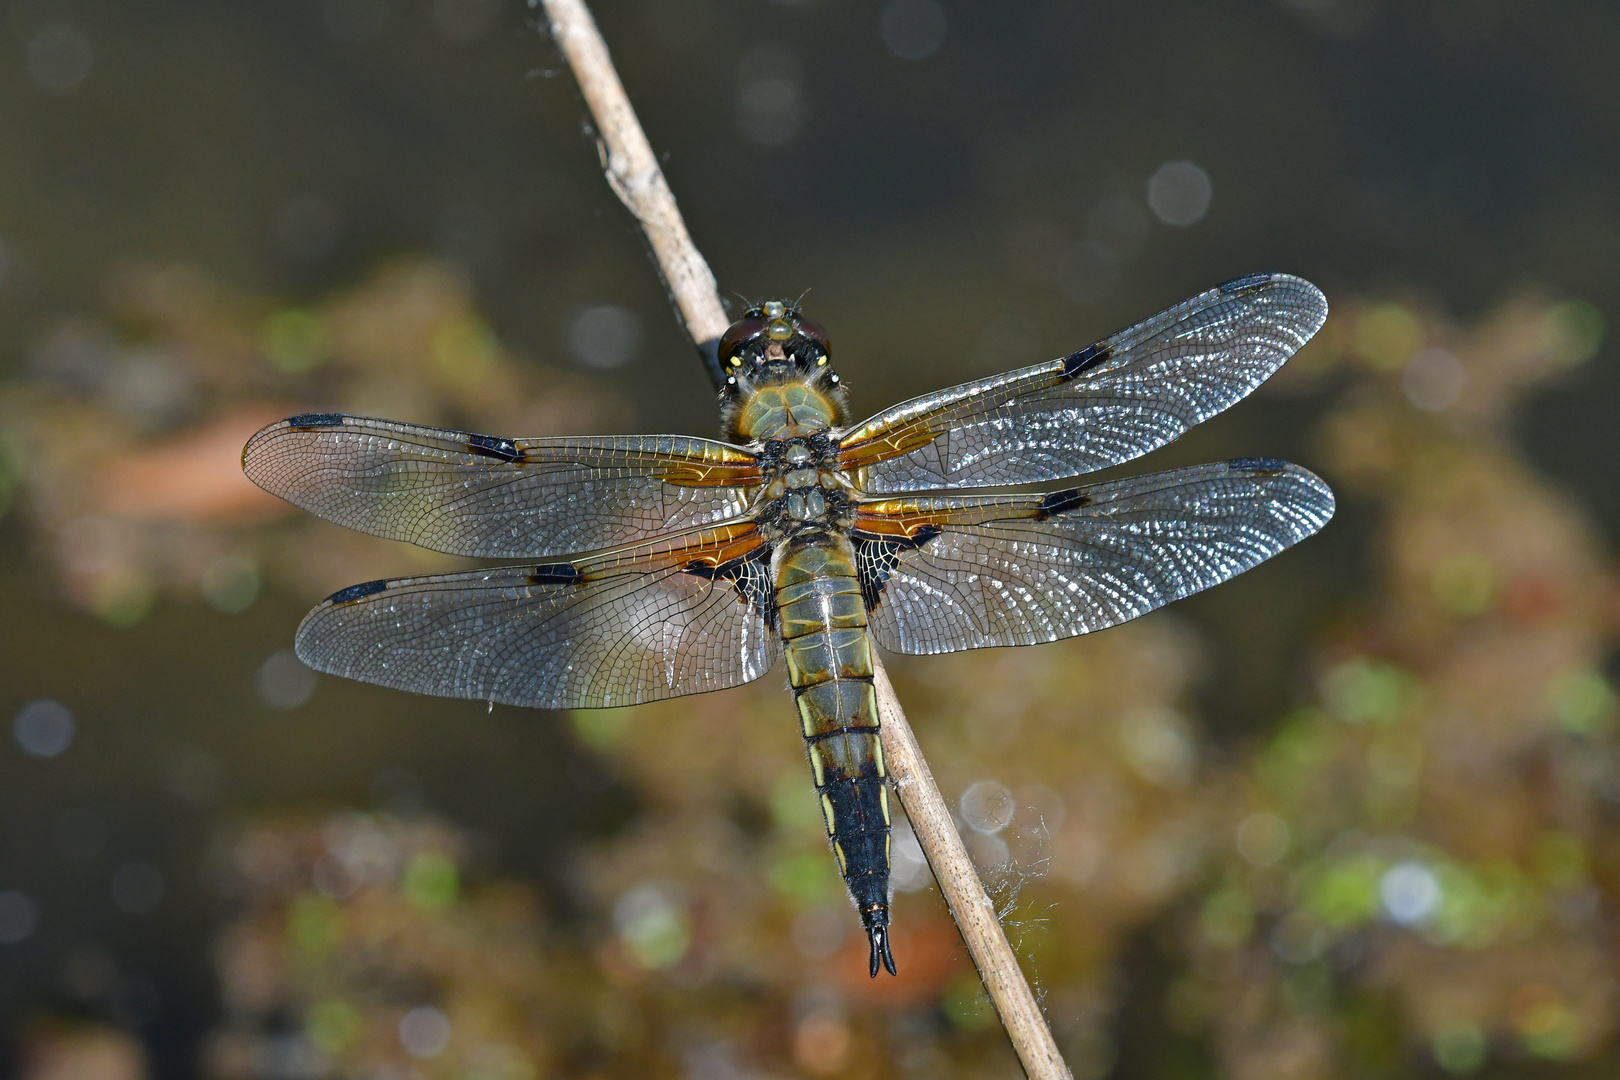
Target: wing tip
{"points": [[1326, 503], [300, 422], [1312, 298]]}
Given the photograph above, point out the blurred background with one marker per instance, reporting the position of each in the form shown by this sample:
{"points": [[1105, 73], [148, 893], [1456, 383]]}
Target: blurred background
{"points": [[1354, 814]]}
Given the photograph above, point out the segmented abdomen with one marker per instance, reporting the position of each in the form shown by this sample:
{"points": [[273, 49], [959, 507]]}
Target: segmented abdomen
{"points": [[829, 658]]}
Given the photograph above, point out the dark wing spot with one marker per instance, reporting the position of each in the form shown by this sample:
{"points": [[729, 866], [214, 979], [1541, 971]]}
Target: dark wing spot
{"points": [[358, 592], [1246, 283], [1060, 502], [1086, 359], [556, 574], [490, 446], [1269, 465], [311, 420], [877, 556]]}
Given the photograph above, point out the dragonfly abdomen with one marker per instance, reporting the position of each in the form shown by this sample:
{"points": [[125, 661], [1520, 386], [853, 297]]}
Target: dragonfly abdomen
{"points": [[829, 659]]}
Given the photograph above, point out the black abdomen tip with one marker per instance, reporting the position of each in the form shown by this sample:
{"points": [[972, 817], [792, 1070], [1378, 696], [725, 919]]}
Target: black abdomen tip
{"points": [[879, 936]]}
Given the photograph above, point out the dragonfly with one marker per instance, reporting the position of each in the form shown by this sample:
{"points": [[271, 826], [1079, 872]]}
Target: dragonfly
{"points": [[653, 566]]}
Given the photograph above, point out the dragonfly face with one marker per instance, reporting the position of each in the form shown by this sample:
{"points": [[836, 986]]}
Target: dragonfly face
{"points": [[656, 566], [779, 380]]}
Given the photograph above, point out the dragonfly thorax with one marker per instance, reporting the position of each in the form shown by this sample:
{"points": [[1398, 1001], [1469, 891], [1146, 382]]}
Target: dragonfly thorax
{"points": [[803, 488]]}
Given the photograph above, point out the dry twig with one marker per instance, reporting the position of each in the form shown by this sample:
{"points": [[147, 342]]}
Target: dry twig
{"points": [[633, 173]]}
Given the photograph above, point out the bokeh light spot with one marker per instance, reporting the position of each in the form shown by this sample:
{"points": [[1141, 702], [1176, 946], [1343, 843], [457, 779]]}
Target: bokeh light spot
{"points": [[424, 1032], [1433, 380], [1368, 691], [988, 851], [1387, 336], [59, 58], [1179, 193], [987, 806], [43, 728], [770, 96], [908, 866], [653, 926], [283, 682], [1410, 892], [294, 340], [1583, 702], [230, 584], [1544, 1021], [314, 924], [431, 881], [912, 29], [1158, 744], [1343, 893], [19, 916], [1572, 332], [1263, 838], [123, 596], [605, 336], [333, 1025]]}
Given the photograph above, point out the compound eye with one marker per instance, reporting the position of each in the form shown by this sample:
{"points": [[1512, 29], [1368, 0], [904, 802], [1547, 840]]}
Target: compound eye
{"points": [[813, 332], [740, 333]]}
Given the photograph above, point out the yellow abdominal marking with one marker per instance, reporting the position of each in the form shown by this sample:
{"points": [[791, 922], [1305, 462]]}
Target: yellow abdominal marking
{"points": [[883, 797], [827, 812], [816, 765]]}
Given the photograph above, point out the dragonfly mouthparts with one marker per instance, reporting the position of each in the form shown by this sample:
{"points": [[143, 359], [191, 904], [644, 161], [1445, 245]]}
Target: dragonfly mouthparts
{"points": [[879, 936]]}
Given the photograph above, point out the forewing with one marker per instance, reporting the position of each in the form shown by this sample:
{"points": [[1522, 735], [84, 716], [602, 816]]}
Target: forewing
{"points": [[470, 494], [680, 616], [945, 574], [1107, 403]]}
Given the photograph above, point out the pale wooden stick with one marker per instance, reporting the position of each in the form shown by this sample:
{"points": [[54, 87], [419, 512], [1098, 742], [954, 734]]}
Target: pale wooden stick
{"points": [[633, 173]]}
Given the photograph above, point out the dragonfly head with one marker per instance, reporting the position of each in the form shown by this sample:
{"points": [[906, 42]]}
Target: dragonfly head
{"points": [[774, 343]]}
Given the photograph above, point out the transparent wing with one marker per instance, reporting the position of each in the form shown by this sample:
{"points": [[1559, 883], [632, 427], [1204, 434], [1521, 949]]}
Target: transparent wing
{"points": [[945, 574], [677, 616], [470, 494], [1107, 403]]}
